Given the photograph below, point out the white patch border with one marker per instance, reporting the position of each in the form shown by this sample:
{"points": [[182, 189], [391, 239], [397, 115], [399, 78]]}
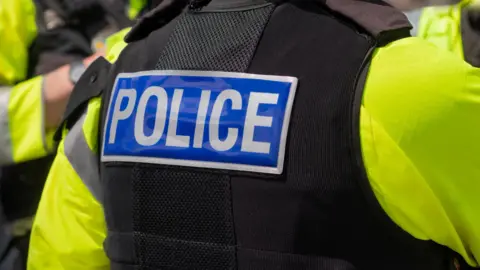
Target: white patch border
{"points": [[207, 164]]}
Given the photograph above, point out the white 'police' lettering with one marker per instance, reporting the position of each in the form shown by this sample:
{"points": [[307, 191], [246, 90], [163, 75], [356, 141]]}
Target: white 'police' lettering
{"points": [[201, 116], [202, 119], [172, 138], [252, 120], [118, 114], [232, 135], [160, 116]]}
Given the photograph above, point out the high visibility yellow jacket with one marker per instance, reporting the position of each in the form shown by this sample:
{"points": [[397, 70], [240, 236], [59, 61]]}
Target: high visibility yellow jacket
{"points": [[420, 143], [135, 7], [22, 133], [441, 26]]}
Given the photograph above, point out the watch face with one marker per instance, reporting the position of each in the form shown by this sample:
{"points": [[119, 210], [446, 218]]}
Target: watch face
{"points": [[76, 71]]}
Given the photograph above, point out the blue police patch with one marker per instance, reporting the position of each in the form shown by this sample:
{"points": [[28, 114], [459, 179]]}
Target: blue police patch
{"points": [[221, 120]]}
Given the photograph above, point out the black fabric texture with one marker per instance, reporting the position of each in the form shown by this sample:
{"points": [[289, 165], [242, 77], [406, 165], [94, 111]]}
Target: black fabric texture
{"points": [[54, 48], [375, 16], [185, 222], [470, 35], [320, 170], [21, 187], [214, 41], [320, 213], [89, 16], [70, 8], [82, 14], [259, 259], [117, 12], [118, 205], [71, 41]]}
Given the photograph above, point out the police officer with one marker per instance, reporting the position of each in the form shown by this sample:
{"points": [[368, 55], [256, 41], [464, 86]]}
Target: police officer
{"points": [[267, 135]]}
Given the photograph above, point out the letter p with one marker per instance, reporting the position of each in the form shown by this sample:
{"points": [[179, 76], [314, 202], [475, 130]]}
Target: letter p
{"points": [[118, 114]]}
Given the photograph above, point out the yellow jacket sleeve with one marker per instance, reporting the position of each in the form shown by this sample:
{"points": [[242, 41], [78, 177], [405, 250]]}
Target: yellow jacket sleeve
{"points": [[135, 6], [22, 132], [421, 143], [69, 227], [17, 31]]}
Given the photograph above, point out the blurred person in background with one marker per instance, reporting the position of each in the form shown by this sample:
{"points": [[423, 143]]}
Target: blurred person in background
{"points": [[455, 28], [46, 45], [449, 24], [413, 9]]}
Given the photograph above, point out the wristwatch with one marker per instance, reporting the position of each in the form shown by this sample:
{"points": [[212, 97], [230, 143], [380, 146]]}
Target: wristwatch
{"points": [[76, 70]]}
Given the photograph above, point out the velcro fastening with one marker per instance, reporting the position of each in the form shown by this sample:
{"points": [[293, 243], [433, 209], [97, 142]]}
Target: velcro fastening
{"points": [[384, 22]]}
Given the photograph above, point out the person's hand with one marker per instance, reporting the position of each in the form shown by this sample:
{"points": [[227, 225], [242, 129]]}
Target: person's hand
{"points": [[57, 88]]}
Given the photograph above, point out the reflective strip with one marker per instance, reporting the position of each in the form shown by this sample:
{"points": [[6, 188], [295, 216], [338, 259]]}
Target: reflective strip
{"points": [[44, 128], [83, 160], [6, 151]]}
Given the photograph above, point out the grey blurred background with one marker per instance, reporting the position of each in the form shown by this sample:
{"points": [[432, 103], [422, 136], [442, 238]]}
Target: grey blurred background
{"points": [[414, 17]]}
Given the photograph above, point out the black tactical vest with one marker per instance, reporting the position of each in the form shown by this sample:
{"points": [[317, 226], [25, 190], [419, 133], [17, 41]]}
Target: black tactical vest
{"points": [[320, 213]]}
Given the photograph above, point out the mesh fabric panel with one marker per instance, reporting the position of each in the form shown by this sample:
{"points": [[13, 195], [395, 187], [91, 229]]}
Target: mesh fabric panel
{"points": [[182, 218], [177, 213], [215, 41]]}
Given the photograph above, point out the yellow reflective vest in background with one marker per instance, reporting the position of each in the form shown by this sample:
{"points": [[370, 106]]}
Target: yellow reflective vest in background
{"points": [[22, 133], [420, 144], [135, 7], [442, 26]]}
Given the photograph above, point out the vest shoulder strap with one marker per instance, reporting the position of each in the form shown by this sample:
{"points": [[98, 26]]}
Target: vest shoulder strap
{"points": [[90, 85], [382, 21]]}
